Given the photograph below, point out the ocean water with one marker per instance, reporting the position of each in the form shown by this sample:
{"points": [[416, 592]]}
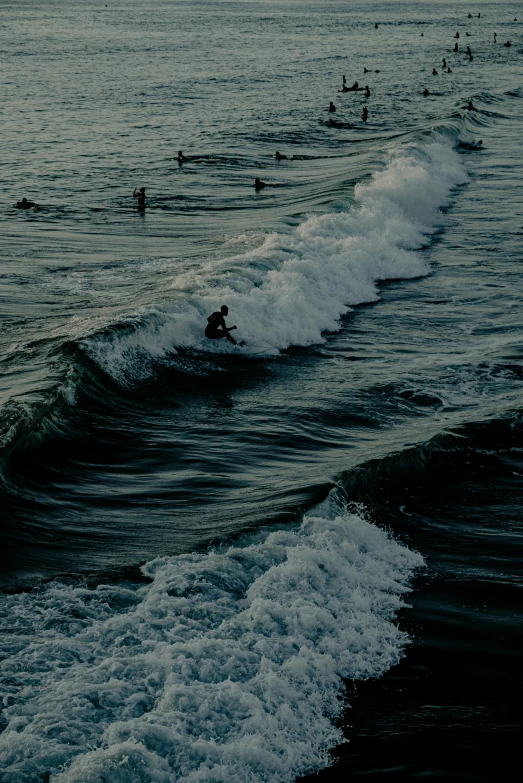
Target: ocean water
{"points": [[302, 557]]}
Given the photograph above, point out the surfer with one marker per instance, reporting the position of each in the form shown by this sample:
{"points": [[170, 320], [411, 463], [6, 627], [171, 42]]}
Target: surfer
{"points": [[279, 156], [470, 106], [181, 157], [332, 107], [367, 91], [259, 184], [456, 49], [25, 204], [426, 92], [364, 114], [434, 72], [216, 328], [140, 195]]}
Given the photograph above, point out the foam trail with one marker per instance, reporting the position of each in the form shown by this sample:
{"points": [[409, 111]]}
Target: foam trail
{"points": [[226, 667], [294, 287]]}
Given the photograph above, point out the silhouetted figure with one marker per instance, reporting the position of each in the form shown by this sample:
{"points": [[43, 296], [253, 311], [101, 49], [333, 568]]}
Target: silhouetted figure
{"points": [[181, 157], [457, 35], [367, 91], [216, 328], [258, 184], [279, 156], [449, 70], [470, 106], [364, 114], [25, 204], [366, 70], [444, 63], [468, 34], [456, 49], [470, 16], [332, 107], [376, 26], [426, 92], [140, 195], [422, 35], [434, 72], [495, 38], [355, 86], [507, 44], [344, 80]]}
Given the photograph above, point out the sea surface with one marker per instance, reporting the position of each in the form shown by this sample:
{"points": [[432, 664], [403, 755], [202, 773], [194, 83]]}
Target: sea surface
{"points": [[302, 557]]}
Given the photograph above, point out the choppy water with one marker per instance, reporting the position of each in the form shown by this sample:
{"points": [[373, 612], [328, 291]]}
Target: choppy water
{"points": [[206, 551]]}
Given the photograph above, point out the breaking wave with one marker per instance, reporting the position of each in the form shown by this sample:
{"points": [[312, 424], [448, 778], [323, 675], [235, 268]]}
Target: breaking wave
{"points": [[295, 286]]}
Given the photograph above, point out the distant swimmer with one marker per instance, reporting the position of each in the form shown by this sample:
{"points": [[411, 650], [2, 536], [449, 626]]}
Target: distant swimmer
{"points": [[366, 70], [495, 37], [434, 72], [422, 35], [468, 34], [470, 106], [216, 328], [344, 80], [470, 16], [426, 92], [507, 44], [181, 157], [449, 70], [279, 156], [140, 195], [457, 35], [355, 86], [25, 204], [364, 114], [376, 26], [444, 63], [367, 91], [456, 48], [469, 53], [332, 107], [258, 184]]}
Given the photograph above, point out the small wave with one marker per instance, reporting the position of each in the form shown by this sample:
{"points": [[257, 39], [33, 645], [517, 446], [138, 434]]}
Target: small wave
{"points": [[227, 667], [295, 286]]}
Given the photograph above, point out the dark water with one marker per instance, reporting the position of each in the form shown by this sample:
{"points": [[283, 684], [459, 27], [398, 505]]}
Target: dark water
{"points": [[208, 552]]}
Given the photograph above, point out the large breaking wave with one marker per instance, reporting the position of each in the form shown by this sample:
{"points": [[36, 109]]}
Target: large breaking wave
{"points": [[225, 667], [295, 286]]}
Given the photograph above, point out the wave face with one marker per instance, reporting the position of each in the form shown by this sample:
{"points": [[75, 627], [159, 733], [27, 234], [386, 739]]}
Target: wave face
{"points": [[226, 667], [295, 287]]}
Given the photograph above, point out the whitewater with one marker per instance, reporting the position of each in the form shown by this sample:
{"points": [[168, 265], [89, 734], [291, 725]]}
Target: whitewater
{"points": [[227, 666]]}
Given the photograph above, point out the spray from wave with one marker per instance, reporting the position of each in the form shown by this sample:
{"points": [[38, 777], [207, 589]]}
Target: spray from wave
{"points": [[226, 667], [295, 286]]}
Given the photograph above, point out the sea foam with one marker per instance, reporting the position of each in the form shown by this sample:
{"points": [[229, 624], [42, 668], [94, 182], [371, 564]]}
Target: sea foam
{"points": [[227, 666], [294, 287]]}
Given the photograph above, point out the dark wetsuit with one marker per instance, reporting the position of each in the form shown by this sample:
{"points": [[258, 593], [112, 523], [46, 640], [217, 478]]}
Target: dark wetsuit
{"points": [[216, 328]]}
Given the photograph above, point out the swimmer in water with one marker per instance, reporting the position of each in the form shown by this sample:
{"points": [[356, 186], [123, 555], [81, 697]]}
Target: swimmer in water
{"points": [[495, 37], [426, 92], [216, 328], [507, 44], [470, 106], [456, 49], [332, 107], [279, 156], [367, 91], [434, 72], [181, 157], [140, 195], [364, 114], [258, 184], [376, 26], [457, 35], [25, 204], [444, 63], [449, 70], [344, 80], [366, 70]]}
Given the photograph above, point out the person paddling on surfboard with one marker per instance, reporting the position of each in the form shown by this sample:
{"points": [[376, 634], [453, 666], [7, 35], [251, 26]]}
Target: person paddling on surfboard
{"points": [[216, 328]]}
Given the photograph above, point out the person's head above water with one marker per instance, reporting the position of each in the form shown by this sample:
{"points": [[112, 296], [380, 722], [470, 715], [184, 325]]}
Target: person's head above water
{"points": [[224, 310]]}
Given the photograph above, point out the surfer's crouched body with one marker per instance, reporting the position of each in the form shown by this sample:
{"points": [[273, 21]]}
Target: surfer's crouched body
{"points": [[216, 328]]}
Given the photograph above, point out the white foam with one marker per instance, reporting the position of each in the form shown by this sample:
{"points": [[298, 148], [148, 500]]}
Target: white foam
{"points": [[293, 288], [226, 667]]}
